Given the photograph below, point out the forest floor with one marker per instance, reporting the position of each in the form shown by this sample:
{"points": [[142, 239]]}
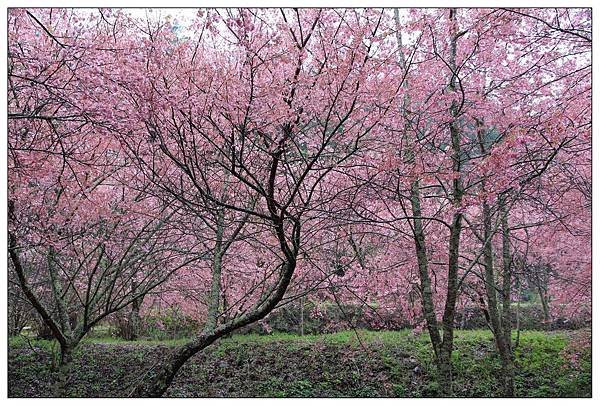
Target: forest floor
{"points": [[345, 364]]}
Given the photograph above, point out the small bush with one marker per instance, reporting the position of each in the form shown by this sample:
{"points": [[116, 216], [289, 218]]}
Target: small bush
{"points": [[170, 324]]}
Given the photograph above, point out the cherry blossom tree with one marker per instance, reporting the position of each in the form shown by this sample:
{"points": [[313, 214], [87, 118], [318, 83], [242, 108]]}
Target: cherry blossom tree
{"points": [[82, 245]]}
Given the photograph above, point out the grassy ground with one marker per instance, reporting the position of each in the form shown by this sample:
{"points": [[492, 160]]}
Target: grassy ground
{"points": [[383, 364]]}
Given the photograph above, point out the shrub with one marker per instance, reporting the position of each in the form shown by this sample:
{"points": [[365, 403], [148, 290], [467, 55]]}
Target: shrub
{"points": [[169, 324]]}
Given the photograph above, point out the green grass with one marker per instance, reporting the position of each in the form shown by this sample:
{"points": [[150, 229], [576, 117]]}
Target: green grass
{"points": [[350, 337], [348, 363], [120, 341], [343, 337]]}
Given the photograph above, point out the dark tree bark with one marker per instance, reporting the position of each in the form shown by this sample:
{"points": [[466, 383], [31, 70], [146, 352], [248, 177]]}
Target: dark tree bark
{"points": [[64, 370], [500, 320], [156, 381], [507, 356], [442, 343], [445, 356]]}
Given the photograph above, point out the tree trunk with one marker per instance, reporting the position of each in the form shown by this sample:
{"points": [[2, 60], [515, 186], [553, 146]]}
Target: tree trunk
{"points": [[444, 370], [442, 346], [445, 357], [57, 292], [156, 381], [302, 315], [490, 279], [518, 318], [545, 307], [500, 328], [135, 319], [427, 304], [215, 288], [424, 278], [64, 370], [507, 359]]}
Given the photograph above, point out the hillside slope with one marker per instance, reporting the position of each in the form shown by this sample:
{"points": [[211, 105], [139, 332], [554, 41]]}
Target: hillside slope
{"points": [[379, 364]]}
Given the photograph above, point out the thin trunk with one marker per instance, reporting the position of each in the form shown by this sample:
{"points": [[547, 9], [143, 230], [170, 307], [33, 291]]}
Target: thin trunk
{"points": [[425, 279], [490, 279], [518, 314], [445, 358], [497, 320], [215, 288], [417, 222], [545, 307], [442, 346], [495, 315], [508, 362], [57, 292], [302, 315], [135, 319]]}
